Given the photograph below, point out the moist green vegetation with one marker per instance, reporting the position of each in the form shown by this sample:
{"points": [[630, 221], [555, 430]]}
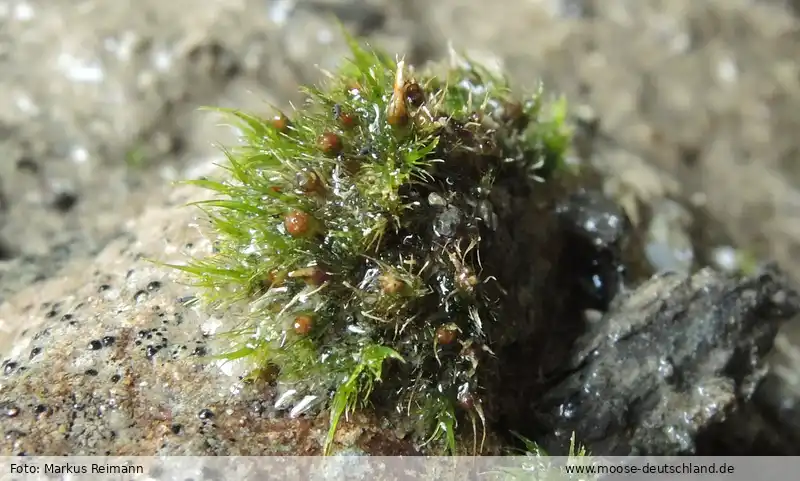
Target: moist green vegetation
{"points": [[538, 465], [351, 229]]}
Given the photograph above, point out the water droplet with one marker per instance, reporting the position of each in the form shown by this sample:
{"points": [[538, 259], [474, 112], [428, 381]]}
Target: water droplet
{"points": [[285, 399], [303, 406], [566, 411], [665, 368]]}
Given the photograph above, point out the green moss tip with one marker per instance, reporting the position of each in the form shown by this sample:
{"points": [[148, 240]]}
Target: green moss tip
{"points": [[351, 230]]}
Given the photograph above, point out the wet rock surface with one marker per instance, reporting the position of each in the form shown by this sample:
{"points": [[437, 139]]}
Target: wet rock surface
{"points": [[595, 230], [668, 363]]}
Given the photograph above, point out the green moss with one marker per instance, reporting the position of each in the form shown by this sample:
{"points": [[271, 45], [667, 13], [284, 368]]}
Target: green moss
{"points": [[539, 466], [351, 230]]}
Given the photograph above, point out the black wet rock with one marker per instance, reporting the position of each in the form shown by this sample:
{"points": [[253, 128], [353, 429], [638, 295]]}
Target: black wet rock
{"points": [[594, 229], [668, 364], [777, 399], [594, 219]]}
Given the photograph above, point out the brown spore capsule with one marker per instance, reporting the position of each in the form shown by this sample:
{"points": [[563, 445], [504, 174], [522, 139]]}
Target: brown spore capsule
{"points": [[466, 401], [318, 276], [276, 278], [390, 284], [313, 276], [346, 118], [446, 335], [273, 279], [414, 94], [330, 144], [466, 279], [471, 352], [309, 182], [280, 123], [299, 224], [465, 398], [303, 324]]}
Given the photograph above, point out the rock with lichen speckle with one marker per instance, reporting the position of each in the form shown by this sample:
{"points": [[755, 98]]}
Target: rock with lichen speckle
{"points": [[109, 359]]}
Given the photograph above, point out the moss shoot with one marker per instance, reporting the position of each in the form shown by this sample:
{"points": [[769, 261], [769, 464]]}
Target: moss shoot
{"points": [[352, 230]]}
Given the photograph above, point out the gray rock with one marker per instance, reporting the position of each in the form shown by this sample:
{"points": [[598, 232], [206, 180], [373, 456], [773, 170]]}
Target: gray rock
{"points": [[777, 399], [98, 106], [668, 363], [108, 359]]}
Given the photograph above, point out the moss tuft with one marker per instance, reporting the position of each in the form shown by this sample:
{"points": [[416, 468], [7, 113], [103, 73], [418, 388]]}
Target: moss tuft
{"points": [[352, 230]]}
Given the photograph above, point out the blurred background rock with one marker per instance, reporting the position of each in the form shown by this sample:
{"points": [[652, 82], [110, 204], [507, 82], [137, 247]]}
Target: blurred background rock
{"points": [[693, 105]]}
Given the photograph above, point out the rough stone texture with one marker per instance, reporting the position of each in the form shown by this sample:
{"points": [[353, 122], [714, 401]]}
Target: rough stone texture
{"points": [[701, 108], [778, 397], [110, 361], [669, 362], [99, 106]]}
